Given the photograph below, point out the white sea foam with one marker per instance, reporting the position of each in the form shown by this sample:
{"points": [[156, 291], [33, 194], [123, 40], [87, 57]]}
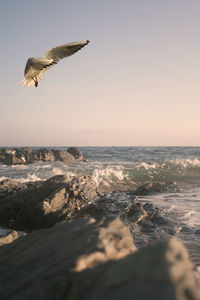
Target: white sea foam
{"points": [[3, 178], [30, 177], [108, 175], [189, 213], [183, 162], [18, 167], [146, 166], [57, 171]]}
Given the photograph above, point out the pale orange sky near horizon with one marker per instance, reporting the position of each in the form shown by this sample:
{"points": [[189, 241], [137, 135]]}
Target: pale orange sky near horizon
{"points": [[135, 84]]}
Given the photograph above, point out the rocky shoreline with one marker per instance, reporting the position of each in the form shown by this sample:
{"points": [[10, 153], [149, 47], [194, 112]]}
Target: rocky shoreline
{"points": [[66, 240], [26, 155]]}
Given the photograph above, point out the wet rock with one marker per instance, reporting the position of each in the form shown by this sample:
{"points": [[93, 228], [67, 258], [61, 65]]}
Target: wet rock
{"points": [[139, 219], [27, 155], [151, 209], [75, 152], [197, 232], [9, 236], [63, 156], [41, 204], [11, 159], [156, 187], [136, 212], [10, 186]]}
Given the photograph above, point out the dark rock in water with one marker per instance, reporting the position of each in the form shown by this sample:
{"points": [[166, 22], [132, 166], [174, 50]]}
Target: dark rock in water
{"points": [[156, 187], [136, 212], [10, 186], [138, 218], [11, 159], [63, 156], [26, 155], [197, 232], [151, 209], [75, 152], [41, 204], [91, 260]]}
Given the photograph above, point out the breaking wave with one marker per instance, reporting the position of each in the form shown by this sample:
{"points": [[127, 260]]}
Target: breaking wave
{"points": [[109, 173]]}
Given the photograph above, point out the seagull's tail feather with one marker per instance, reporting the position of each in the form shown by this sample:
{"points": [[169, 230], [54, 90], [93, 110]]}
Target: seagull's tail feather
{"points": [[28, 82]]}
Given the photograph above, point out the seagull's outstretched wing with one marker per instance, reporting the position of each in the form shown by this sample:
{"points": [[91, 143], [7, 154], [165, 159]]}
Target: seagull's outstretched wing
{"points": [[35, 68], [63, 51]]}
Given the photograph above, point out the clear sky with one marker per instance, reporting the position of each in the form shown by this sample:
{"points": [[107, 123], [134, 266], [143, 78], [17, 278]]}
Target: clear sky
{"points": [[136, 83]]}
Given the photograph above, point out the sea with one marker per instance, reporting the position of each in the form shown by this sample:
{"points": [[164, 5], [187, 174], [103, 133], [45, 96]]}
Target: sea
{"points": [[117, 170]]}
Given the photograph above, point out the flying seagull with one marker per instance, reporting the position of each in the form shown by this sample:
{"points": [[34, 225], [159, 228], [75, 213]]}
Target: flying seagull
{"points": [[36, 67]]}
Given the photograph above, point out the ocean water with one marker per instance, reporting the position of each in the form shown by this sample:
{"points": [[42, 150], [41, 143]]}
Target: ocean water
{"points": [[120, 169]]}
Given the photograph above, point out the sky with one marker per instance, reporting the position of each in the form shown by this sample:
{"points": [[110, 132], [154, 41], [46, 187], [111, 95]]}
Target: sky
{"points": [[135, 84]]}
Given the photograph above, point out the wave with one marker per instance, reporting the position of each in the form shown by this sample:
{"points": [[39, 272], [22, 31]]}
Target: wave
{"points": [[180, 170], [3, 178], [29, 177], [110, 173]]}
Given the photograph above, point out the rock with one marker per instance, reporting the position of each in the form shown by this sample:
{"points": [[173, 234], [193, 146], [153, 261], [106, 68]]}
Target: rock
{"points": [[9, 236], [12, 159], [162, 271], [45, 155], [90, 260], [64, 156], [114, 243], [156, 187], [139, 219], [41, 265], [136, 212], [59, 179], [26, 155], [75, 152], [151, 209], [41, 204], [11, 186]]}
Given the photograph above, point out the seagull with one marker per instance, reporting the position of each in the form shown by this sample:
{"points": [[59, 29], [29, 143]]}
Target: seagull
{"points": [[36, 67]]}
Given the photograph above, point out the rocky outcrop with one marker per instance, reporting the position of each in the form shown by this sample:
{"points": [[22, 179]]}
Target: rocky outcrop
{"points": [[8, 236], [27, 155], [85, 259], [162, 271], [75, 152], [156, 187], [35, 205]]}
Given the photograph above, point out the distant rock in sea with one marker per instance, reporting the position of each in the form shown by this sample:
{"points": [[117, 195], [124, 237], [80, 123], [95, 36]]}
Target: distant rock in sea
{"points": [[26, 155]]}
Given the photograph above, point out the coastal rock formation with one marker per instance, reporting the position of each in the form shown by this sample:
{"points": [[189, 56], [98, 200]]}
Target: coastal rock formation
{"points": [[85, 259], [35, 205], [162, 271], [8, 236], [27, 155], [156, 187], [75, 152]]}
